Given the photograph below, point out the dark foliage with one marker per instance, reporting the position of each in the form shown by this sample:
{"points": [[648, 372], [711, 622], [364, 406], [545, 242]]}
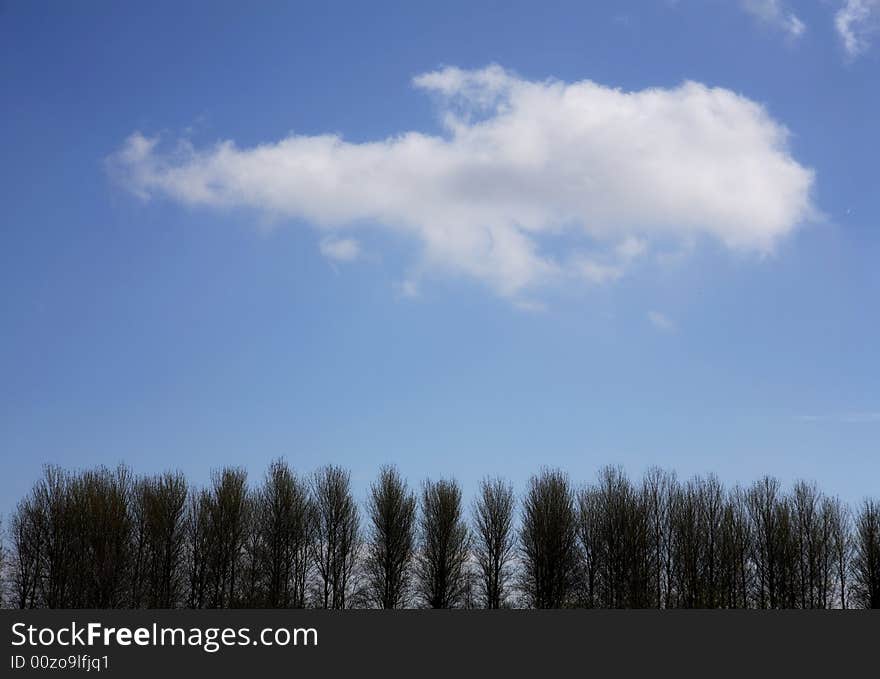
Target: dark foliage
{"points": [[442, 561], [494, 540], [391, 508], [103, 538]]}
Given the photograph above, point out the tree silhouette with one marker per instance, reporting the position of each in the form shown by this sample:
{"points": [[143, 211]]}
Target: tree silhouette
{"points": [[442, 560], [159, 530], [392, 513], [494, 540], [866, 563], [336, 543], [104, 538], [548, 541], [283, 529]]}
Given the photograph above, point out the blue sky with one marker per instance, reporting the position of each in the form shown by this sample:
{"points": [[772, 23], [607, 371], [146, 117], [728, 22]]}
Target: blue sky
{"points": [[466, 238]]}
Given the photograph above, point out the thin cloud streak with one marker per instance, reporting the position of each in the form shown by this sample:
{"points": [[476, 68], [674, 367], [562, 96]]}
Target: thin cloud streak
{"points": [[844, 418]]}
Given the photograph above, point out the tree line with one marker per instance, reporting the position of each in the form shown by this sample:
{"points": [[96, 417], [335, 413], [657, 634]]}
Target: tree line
{"points": [[105, 538]]}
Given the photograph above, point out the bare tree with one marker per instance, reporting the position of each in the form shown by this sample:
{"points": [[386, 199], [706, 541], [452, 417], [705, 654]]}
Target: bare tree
{"points": [[27, 554], [221, 526], [687, 546], [336, 543], [53, 511], [548, 541], [658, 490], [159, 516], [590, 525], [283, 529], [251, 586], [494, 539], [866, 561], [825, 576], [840, 526], [391, 508], [811, 545], [735, 581], [198, 546], [442, 560], [102, 537], [771, 526], [3, 566], [625, 572]]}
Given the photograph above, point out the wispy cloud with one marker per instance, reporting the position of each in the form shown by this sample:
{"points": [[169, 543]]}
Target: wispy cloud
{"points": [[340, 249], [845, 418], [776, 14], [856, 22], [661, 321], [408, 289], [521, 163]]}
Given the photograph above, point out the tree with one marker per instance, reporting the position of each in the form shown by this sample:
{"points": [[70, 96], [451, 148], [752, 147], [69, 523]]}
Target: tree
{"points": [[625, 573], [658, 490], [217, 526], [53, 512], [100, 523], [27, 554], [687, 544], [159, 517], [841, 545], [198, 545], [735, 580], [336, 543], [811, 545], [103, 538], [494, 539], [283, 530], [770, 520], [442, 561], [391, 509], [2, 566], [548, 541], [590, 523], [826, 558], [866, 562]]}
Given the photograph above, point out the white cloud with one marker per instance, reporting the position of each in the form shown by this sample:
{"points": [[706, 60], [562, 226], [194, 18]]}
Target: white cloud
{"points": [[523, 166], [775, 13], [661, 321], [856, 21], [340, 249]]}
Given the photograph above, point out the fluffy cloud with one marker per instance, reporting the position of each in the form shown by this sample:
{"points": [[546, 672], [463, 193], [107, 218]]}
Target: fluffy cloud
{"points": [[533, 183], [774, 13], [856, 21]]}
